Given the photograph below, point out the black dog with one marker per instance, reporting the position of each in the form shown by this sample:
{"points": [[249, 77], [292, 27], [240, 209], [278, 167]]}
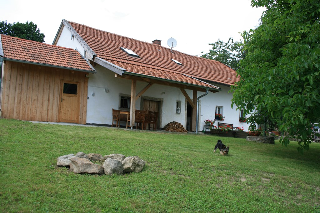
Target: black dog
{"points": [[224, 150]]}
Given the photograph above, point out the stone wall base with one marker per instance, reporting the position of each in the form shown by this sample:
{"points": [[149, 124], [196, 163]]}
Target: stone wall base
{"points": [[261, 139]]}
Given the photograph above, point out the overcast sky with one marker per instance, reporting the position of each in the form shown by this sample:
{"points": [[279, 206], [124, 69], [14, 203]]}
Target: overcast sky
{"points": [[194, 24]]}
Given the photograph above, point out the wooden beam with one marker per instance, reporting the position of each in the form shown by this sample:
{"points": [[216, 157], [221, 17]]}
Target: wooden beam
{"points": [[187, 97], [143, 90], [194, 111], [133, 103], [164, 82]]}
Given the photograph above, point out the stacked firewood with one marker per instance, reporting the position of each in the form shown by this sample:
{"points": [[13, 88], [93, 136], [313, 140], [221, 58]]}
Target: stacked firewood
{"points": [[174, 127]]}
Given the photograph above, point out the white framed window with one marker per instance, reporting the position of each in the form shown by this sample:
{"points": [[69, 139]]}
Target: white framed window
{"points": [[130, 52], [242, 116], [178, 107], [219, 110], [177, 62], [125, 102], [219, 113]]}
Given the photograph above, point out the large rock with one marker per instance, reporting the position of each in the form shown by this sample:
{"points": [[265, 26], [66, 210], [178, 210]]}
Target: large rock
{"points": [[81, 155], [133, 164], [112, 166], [94, 157], [64, 160], [84, 165], [118, 157]]}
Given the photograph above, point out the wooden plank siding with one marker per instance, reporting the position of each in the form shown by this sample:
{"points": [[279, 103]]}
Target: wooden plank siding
{"points": [[33, 92]]}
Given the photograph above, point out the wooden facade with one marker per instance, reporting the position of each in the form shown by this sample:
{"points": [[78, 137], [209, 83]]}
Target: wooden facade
{"points": [[36, 93]]}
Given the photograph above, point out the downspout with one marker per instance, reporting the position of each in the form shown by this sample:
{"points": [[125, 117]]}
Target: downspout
{"points": [[197, 124]]}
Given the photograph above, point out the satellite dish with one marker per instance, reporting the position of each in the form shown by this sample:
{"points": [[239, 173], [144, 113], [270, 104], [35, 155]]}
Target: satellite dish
{"points": [[172, 43]]}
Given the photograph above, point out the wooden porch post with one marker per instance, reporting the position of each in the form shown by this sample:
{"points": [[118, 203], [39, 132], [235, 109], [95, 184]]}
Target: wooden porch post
{"points": [[194, 111], [133, 103]]}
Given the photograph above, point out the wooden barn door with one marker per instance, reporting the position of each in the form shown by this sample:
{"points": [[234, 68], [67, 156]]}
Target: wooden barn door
{"points": [[153, 106], [70, 104]]}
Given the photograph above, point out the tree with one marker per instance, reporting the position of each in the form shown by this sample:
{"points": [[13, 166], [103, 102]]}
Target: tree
{"points": [[280, 75], [227, 53], [28, 30]]}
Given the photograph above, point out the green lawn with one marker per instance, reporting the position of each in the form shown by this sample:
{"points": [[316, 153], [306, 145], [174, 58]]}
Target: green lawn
{"points": [[182, 173]]}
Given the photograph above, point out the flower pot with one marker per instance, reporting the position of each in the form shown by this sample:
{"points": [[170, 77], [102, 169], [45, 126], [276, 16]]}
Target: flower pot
{"points": [[254, 133], [241, 134]]}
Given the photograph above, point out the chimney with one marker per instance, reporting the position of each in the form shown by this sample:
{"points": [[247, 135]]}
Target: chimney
{"points": [[158, 42]]}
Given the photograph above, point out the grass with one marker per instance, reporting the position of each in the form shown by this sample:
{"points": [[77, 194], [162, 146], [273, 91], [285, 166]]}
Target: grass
{"points": [[182, 173]]}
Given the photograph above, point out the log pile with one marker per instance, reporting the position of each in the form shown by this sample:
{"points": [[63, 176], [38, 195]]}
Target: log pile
{"points": [[174, 127]]}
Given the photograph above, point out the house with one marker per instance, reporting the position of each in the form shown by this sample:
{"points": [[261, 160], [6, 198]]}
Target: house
{"points": [[131, 75], [42, 82]]}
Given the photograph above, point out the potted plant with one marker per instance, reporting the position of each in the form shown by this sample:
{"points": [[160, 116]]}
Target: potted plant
{"points": [[242, 119], [240, 133], [219, 117], [209, 122], [253, 131]]}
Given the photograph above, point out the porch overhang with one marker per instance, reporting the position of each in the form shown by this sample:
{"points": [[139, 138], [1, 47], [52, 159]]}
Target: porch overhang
{"points": [[167, 82]]}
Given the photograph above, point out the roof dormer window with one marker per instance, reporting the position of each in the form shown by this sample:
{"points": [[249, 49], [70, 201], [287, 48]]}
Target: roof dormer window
{"points": [[130, 52], [177, 62]]}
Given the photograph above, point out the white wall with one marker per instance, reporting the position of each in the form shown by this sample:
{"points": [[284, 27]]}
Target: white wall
{"points": [[223, 98], [100, 102], [66, 40]]}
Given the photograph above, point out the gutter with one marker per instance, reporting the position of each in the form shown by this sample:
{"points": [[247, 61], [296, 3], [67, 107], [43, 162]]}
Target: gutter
{"points": [[201, 96]]}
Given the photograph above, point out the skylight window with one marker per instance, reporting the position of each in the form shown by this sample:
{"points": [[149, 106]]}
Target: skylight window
{"points": [[177, 61], [130, 52]]}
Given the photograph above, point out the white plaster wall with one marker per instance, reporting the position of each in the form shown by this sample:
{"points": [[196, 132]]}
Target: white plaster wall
{"points": [[100, 102], [66, 40], [223, 98]]}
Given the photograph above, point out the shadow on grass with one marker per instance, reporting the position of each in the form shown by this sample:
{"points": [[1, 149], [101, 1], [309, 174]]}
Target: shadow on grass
{"points": [[309, 158]]}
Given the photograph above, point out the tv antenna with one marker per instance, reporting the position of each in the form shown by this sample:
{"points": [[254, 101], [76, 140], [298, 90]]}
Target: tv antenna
{"points": [[172, 43]]}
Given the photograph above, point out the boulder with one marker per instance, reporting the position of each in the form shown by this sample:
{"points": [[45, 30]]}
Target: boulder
{"points": [[112, 166], [84, 165], [118, 157], [64, 160], [81, 155], [95, 157], [133, 164]]}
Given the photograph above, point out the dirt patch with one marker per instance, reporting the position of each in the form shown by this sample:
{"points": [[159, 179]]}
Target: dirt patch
{"points": [[265, 180]]}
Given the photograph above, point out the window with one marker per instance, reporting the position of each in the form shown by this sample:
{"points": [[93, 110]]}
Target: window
{"points": [[70, 88], [130, 52], [242, 116], [125, 102], [178, 107], [177, 62], [219, 113]]}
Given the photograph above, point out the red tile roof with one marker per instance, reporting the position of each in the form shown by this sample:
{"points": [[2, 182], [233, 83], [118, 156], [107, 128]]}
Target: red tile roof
{"points": [[28, 51], [154, 60]]}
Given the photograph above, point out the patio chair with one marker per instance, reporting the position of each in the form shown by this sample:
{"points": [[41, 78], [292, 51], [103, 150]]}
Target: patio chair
{"points": [[116, 117], [152, 119], [140, 116]]}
